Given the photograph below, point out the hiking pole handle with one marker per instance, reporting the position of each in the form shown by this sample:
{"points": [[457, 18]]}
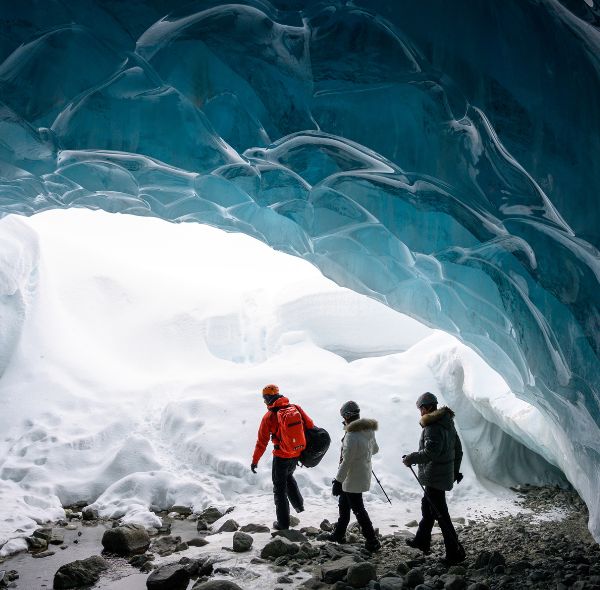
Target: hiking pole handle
{"points": [[377, 479]]}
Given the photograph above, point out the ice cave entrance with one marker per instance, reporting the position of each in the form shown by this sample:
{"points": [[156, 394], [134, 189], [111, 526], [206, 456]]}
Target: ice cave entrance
{"points": [[142, 346]]}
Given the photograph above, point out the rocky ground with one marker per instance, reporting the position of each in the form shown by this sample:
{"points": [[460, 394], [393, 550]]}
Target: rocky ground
{"points": [[528, 550]]}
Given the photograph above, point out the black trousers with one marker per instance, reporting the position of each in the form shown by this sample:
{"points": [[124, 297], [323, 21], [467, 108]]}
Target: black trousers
{"points": [[423, 536], [285, 490], [355, 503]]}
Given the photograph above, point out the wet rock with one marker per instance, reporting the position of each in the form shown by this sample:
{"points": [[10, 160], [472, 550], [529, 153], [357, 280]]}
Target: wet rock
{"points": [[197, 542], [57, 538], [452, 582], [139, 560], [165, 546], [216, 585], [391, 583], [202, 525], [402, 568], [182, 510], [44, 533], [311, 531], [279, 547], [415, 577], [360, 574], [334, 571], [172, 576], [36, 543], [294, 520], [255, 528], [77, 574], [126, 540], [326, 526], [43, 554], [291, 535], [242, 542], [284, 580], [89, 513], [411, 524], [229, 526], [211, 514]]}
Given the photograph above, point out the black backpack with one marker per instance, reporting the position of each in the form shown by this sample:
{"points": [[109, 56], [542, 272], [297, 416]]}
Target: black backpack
{"points": [[317, 443]]}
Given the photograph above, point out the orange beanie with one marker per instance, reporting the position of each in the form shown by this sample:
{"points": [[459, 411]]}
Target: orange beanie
{"points": [[270, 390]]}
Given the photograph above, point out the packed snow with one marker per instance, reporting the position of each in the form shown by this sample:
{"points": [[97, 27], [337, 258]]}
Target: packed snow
{"points": [[134, 352]]}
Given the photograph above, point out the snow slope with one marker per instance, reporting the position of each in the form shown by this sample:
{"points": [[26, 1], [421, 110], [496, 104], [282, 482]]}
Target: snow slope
{"points": [[137, 350]]}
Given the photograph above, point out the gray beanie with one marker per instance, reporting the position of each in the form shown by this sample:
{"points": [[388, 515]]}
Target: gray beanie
{"points": [[349, 409], [427, 399]]}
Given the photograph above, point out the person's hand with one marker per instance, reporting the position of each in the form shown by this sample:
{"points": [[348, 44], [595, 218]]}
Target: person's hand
{"points": [[253, 467], [406, 460], [459, 477], [336, 488]]}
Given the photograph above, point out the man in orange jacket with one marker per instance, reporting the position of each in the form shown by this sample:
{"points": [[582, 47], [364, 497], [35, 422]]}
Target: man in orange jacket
{"points": [[285, 458]]}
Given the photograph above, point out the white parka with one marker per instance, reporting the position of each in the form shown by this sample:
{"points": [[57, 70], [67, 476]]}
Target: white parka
{"points": [[358, 445]]}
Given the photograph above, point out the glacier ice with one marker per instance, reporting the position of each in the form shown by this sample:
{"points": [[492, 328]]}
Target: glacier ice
{"points": [[448, 172]]}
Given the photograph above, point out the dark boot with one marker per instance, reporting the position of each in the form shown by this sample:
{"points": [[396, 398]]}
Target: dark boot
{"points": [[334, 538], [416, 545], [373, 545]]}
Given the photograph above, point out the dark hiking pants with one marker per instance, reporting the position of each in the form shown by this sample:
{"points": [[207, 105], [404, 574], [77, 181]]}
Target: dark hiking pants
{"points": [[355, 503], [285, 490], [423, 536]]}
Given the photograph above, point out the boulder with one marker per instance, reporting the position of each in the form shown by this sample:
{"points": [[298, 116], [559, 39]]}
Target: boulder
{"points": [[326, 526], [279, 547], [125, 540], [452, 582], [172, 576], [360, 574], [242, 542], [77, 574]]}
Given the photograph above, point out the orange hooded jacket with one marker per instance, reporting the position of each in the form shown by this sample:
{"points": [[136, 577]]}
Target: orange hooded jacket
{"points": [[269, 426]]}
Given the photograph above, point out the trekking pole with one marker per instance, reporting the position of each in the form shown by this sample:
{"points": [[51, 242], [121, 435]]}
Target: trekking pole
{"points": [[436, 512], [377, 479]]}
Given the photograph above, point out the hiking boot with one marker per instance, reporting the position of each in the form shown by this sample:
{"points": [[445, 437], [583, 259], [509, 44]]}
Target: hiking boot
{"points": [[454, 558], [333, 538], [413, 543], [279, 527], [299, 510], [372, 545]]}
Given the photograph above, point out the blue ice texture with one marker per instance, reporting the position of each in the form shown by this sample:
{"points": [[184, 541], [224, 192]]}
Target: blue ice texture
{"points": [[441, 158]]}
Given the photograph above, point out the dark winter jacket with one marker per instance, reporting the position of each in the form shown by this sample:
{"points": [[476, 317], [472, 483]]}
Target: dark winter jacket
{"points": [[440, 452]]}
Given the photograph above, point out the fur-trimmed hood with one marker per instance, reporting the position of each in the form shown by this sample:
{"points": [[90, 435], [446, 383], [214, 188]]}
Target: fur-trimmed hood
{"points": [[361, 424], [444, 416]]}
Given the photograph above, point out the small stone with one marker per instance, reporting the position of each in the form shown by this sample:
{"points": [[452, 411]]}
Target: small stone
{"points": [[334, 571], [57, 538], [291, 535], [197, 542], [229, 526], [43, 554], [391, 583], [294, 520], [255, 528], [216, 585], [182, 510], [402, 568], [211, 514], [89, 513], [452, 582], [411, 524], [326, 526]]}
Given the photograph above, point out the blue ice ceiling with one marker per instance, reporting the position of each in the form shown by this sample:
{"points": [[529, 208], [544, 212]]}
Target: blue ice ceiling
{"points": [[442, 157]]}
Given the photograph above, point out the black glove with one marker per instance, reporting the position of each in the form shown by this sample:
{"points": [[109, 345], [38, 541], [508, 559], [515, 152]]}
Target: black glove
{"points": [[336, 488], [253, 467], [459, 477]]}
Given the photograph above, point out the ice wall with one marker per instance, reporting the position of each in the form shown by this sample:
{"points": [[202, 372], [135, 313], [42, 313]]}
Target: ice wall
{"points": [[362, 136]]}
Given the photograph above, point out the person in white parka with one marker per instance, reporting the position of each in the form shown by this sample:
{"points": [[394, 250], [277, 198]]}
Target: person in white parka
{"points": [[354, 474]]}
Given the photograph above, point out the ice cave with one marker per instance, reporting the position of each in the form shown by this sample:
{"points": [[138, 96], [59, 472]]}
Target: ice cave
{"points": [[440, 158]]}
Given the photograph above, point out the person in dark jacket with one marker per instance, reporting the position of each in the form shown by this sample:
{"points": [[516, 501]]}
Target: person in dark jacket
{"points": [[285, 460], [439, 457]]}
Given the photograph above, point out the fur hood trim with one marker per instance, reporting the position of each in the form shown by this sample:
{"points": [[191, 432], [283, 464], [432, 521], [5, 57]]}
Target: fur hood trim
{"points": [[361, 425], [436, 416]]}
